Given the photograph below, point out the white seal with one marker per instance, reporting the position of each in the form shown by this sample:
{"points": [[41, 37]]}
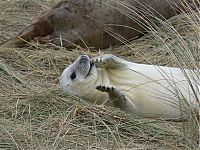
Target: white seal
{"points": [[148, 90]]}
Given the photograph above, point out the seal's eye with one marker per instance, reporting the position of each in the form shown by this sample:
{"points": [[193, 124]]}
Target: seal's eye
{"points": [[73, 76]]}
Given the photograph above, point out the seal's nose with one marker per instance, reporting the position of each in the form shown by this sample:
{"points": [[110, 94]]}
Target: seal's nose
{"points": [[83, 59]]}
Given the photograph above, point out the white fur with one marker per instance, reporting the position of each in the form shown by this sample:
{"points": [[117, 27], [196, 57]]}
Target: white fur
{"points": [[150, 90]]}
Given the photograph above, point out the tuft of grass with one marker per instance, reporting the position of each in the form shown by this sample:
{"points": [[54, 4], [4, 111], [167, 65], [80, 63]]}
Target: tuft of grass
{"points": [[35, 114]]}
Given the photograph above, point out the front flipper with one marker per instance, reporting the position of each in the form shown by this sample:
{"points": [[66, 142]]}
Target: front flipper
{"points": [[116, 97], [108, 61]]}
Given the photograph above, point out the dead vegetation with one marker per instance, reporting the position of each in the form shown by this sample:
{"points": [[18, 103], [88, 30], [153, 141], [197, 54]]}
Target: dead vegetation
{"points": [[35, 114]]}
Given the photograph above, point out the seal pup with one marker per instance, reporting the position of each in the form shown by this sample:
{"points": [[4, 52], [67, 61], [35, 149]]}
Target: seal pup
{"points": [[147, 90], [98, 23]]}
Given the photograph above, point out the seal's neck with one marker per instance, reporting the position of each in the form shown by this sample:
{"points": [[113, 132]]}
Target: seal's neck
{"points": [[94, 95]]}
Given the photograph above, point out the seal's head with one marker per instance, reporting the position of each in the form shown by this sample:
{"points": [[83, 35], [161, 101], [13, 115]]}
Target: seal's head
{"points": [[77, 77]]}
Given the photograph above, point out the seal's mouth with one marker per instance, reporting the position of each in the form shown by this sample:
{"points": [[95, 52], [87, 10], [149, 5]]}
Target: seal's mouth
{"points": [[91, 65]]}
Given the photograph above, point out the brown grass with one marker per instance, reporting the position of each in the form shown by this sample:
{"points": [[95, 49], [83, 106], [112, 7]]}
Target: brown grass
{"points": [[35, 114]]}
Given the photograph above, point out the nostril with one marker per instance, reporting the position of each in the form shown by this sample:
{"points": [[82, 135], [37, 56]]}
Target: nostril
{"points": [[83, 59], [67, 9]]}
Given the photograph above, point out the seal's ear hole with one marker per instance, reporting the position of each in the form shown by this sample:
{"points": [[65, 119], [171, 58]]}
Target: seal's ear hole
{"points": [[73, 75]]}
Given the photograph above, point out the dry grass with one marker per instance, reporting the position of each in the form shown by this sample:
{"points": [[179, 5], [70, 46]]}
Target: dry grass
{"points": [[35, 114]]}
